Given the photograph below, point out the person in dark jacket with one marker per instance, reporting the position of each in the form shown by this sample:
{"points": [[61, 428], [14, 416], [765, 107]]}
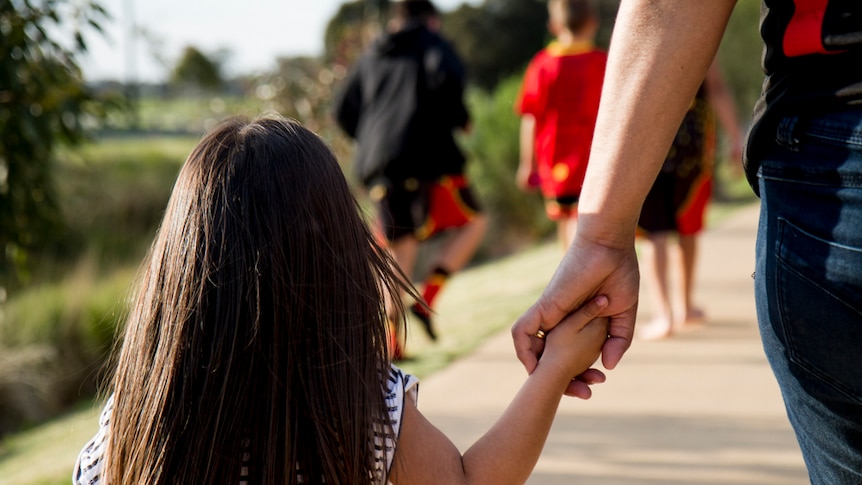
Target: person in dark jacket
{"points": [[402, 102]]}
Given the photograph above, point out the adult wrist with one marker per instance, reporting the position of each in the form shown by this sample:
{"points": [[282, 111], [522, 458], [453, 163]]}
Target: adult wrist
{"points": [[605, 231]]}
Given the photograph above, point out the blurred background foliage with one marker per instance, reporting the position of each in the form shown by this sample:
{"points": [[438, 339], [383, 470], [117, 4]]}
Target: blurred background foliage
{"points": [[86, 168]]}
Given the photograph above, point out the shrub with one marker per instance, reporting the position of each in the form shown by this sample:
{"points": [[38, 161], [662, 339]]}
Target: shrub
{"points": [[516, 219], [114, 193], [55, 341], [56, 332]]}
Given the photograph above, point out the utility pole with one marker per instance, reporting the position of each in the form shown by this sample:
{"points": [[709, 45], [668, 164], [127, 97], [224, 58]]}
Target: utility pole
{"points": [[131, 81]]}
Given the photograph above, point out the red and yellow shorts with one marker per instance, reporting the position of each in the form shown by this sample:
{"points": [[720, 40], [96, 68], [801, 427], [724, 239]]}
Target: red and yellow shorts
{"points": [[563, 207]]}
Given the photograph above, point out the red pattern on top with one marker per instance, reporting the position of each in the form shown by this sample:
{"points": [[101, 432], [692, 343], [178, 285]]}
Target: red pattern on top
{"points": [[561, 89], [804, 34]]}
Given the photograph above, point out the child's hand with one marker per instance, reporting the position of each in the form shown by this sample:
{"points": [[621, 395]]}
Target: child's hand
{"points": [[527, 178], [573, 346]]}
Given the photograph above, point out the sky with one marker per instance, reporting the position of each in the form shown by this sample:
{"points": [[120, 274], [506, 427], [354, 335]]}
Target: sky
{"points": [[255, 32]]}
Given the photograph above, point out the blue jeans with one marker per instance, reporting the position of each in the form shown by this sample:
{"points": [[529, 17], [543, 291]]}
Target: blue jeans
{"points": [[808, 286]]}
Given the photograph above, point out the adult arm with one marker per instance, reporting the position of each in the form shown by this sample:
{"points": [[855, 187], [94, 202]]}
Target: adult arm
{"points": [[659, 54], [446, 75], [508, 452], [348, 102], [723, 104], [532, 99], [527, 165]]}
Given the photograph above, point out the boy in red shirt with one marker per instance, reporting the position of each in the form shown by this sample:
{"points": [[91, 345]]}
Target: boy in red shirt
{"points": [[558, 104]]}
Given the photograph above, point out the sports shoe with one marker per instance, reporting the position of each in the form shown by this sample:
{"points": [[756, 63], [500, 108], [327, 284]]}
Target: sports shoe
{"points": [[424, 316]]}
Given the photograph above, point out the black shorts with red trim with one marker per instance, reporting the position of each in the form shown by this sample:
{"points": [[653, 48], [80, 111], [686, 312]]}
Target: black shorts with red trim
{"points": [[675, 205], [562, 207], [423, 208]]}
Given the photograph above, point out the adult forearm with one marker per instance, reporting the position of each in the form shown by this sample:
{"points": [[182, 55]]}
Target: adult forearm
{"points": [[659, 54], [526, 138], [724, 106]]}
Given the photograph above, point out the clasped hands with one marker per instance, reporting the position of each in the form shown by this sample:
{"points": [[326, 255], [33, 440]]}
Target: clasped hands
{"points": [[594, 285]]}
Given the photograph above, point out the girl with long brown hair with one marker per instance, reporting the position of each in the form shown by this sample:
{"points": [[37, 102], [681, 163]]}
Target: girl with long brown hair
{"points": [[255, 351]]}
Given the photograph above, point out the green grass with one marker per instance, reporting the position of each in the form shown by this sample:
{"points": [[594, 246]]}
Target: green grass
{"points": [[113, 193], [477, 303], [142, 149], [45, 455], [185, 112]]}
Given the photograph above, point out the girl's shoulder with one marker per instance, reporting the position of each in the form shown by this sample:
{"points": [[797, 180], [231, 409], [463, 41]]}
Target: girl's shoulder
{"points": [[400, 380], [88, 466], [399, 387]]}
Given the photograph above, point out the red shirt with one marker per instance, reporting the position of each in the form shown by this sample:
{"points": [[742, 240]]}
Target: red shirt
{"points": [[561, 89]]}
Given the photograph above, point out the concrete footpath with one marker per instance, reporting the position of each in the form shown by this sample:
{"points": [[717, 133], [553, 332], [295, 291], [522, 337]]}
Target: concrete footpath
{"points": [[701, 407]]}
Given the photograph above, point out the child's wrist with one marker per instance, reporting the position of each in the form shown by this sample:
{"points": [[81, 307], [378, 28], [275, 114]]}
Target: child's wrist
{"points": [[557, 369]]}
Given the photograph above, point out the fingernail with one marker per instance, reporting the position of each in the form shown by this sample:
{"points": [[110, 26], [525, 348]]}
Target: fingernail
{"points": [[602, 300]]}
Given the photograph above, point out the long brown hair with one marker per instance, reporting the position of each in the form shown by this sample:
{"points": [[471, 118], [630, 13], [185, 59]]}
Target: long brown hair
{"points": [[258, 336]]}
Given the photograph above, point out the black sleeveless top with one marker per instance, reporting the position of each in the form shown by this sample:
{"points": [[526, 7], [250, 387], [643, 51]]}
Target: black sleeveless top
{"points": [[813, 63]]}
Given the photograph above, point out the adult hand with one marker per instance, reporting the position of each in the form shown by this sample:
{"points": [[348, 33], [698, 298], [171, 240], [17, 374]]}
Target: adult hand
{"points": [[588, 314], [589, 268], [736, 154]]}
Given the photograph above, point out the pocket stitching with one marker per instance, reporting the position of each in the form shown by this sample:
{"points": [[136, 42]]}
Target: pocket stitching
{"points": [[784, 265]]}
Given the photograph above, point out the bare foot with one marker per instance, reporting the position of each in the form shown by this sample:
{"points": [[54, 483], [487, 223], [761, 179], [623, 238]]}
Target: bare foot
{"points": [[658, 328], [694, 316]]}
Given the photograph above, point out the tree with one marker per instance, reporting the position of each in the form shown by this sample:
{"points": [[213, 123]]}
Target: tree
{"points": [[517, 28], [43, 101], [197, 69], [740, 53], [467, 27], [354, 25], [499, 37]]}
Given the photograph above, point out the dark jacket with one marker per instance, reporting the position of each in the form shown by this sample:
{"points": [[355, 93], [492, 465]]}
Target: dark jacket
{"points": [[401, 102]]}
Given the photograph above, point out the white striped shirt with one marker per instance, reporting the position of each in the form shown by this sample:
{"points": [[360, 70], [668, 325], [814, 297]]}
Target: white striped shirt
{"points": [[89, 466]]}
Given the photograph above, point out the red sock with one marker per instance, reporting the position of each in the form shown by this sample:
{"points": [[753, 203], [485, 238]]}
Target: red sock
{"points": [[396, 352], [433, 284]]}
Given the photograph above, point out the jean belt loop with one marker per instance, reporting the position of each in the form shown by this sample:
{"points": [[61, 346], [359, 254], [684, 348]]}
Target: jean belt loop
{"points": [[787, 133]]}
